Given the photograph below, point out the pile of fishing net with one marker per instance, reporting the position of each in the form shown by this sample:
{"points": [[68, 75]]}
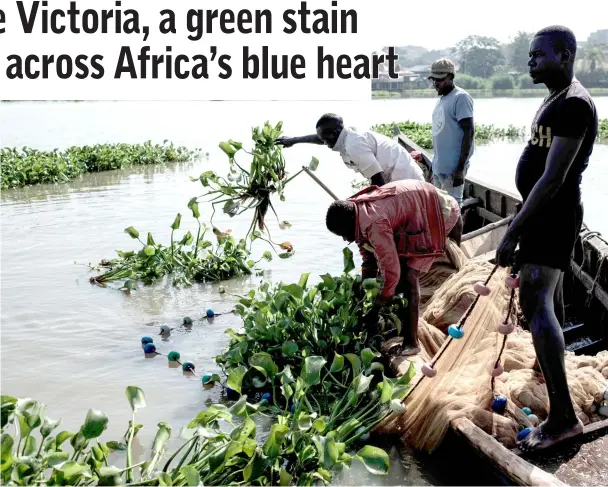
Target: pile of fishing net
{"points": [[463, 383]]}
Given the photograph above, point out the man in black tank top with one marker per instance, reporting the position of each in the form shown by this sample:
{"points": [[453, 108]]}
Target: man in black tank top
{"points": [[548, 177]]}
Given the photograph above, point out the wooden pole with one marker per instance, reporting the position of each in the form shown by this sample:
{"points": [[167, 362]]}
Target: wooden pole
{"points": [[319, 182]]}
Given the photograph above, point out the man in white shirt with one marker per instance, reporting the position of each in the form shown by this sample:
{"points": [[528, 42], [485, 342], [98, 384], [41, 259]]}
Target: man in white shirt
{"points": [[379, 159]]}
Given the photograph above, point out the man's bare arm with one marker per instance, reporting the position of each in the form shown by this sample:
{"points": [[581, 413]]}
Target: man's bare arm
{"points": [[561, 154], [378, 179], [468, 137], [305, 139]]}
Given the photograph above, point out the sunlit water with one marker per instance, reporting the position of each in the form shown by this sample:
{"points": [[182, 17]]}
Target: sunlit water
{"points": [[76, 346]]}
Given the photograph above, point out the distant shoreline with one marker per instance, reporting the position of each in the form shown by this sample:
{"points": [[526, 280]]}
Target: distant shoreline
{"points": [[512, 93]]}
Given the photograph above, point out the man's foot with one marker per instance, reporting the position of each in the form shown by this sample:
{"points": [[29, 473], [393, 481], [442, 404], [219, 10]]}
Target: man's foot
{"points": [[546, 435], [407, 350]]}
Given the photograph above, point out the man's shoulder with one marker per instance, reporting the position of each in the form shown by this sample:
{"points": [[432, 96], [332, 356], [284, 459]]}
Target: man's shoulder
{"points": [[579, 94], [461, 92]]}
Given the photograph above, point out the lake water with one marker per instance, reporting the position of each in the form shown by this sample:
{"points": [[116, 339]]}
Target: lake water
{"points": [[75, 346]]}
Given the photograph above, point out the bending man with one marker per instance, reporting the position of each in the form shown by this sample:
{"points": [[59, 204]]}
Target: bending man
{"points": [[400, 229], [379, 159], [548, 177]]}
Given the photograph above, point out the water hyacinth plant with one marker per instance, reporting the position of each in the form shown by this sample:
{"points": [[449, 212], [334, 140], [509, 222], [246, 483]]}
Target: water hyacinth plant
{"points": [[24, 167], [188, 260], [421, 133], [246, 189], [295, 452]]}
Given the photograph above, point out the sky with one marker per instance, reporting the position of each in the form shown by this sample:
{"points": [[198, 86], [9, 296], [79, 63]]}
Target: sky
{"points": [[441, 23]]}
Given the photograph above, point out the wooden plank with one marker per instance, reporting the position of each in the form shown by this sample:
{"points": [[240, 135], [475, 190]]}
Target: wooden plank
{"points": [[589, 466], [515, 468], [587, 281], [488, 215], [488, 228]]}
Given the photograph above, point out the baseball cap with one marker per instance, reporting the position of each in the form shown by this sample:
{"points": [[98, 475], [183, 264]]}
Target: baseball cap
{"points": [[441, 68]]}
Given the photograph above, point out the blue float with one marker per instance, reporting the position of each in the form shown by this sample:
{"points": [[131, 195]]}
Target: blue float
{"points": [[210, 313], [188, 367], [146, 340], [455, 332], [499, 404], [149, 348], [523, 433], [266, 396], [528, 411]]}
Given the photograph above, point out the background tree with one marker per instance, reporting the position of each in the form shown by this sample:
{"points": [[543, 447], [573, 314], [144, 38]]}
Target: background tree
{"points": [[517, 51], [480, 56], [594, 57]]}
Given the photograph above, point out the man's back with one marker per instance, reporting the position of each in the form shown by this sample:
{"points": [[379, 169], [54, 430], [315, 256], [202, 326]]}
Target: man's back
{"points": [[360, 148]]}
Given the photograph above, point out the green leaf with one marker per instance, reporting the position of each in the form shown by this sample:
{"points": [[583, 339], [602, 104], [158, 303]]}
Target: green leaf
{"points": [[286, 255], [236, 145], [263, 362], [149, 250], [313, 164], [48, 426], [7, 457], [367, 355], [329, 282], [295, 290], [162, 436], [408, 376], [355, 362], [349, 263], [319, 425], [337, 364], [255, 468], [289, 348], [57, 457], [284, 478], [387, 391], [235, 378], [272, 446], [193, 205], [136, 397], [305, 421], [30, 446], [245, 430], [267, 255], [375, 459], [397, 322], [303, 280], [62, 437], [311, 372], [228, 149], [70, 469], [132, 232], [370, 284], [94, 424], [110, 471], [363, 384], [176, 222], [116, 446]]}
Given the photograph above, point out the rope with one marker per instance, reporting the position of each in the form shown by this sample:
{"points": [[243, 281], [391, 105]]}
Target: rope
{"points": [[504, 340], [460, 325]]}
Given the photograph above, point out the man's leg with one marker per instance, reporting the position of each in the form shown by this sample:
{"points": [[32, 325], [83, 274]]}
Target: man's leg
{"points": [[410, 288], [456, 232], [558, 300], [537, 292]]}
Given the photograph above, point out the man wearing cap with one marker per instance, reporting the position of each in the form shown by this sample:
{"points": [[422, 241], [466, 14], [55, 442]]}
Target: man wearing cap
{"points": [[453, 131]]}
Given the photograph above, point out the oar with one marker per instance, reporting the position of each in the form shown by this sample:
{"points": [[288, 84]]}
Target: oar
{"points": [[319, 182]]}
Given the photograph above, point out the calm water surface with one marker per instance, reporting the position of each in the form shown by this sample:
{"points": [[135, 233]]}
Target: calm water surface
{"points": [[75, 346]]}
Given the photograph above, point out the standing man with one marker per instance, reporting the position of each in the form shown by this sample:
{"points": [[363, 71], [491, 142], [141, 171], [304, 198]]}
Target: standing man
{"points": [[548, 177], [379, 159], [400, 229], [453, 131]]}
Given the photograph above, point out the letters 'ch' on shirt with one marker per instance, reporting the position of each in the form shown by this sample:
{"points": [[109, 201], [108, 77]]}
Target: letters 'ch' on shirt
{"points": [[369, 153], [571, 114]]}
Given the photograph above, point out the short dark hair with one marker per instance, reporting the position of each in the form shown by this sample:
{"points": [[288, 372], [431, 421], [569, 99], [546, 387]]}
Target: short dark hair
{"points": [[340, 217], [562, 38], [330, 120]]}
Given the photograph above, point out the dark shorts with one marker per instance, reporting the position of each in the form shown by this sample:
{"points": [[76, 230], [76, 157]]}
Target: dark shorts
{"points": [[550, 242]]}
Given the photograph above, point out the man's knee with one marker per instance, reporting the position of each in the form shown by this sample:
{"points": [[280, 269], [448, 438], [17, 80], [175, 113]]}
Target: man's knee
{"points": [[537, 289]]}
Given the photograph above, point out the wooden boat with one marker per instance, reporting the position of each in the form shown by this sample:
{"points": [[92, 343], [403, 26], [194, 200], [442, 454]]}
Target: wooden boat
{"points": [[487, 211]]}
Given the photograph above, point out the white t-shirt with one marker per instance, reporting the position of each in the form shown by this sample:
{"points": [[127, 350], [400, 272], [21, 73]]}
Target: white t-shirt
{"points": [[370, 153]]}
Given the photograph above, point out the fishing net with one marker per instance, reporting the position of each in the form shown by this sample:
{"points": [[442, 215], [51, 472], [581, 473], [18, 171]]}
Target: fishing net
{"points": [[463, 385]]}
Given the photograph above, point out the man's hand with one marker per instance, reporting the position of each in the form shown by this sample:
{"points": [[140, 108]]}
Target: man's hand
{"points": [[506, 250], [417, 156], [285, 141], [458, 178]]}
